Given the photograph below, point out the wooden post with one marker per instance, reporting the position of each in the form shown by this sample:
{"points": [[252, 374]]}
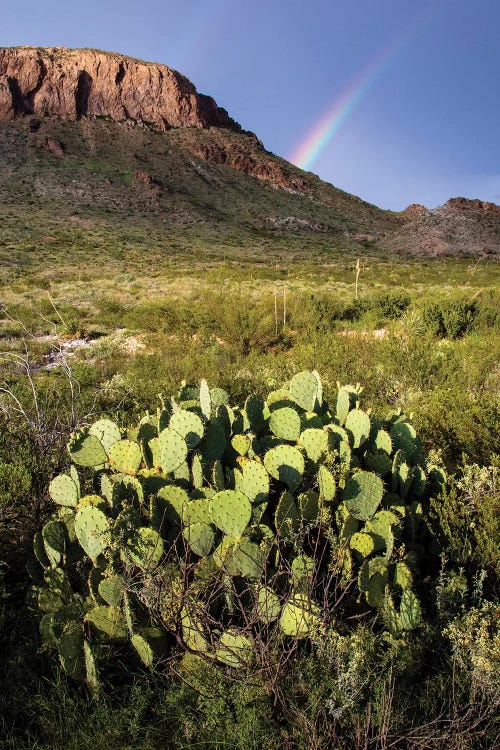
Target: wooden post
{"points": [[358, 271]]}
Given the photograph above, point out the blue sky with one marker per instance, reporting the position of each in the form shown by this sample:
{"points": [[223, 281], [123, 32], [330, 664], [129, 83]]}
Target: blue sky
{"points": [[424, 126]]}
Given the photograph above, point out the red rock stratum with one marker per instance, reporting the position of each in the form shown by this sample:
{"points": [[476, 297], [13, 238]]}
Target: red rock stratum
{"points": [[71, 84]]}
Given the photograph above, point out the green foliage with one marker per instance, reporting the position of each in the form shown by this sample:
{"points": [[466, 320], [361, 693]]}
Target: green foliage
{"points": [[15, 485], [448, 318], [468, 516], [227, 515]]}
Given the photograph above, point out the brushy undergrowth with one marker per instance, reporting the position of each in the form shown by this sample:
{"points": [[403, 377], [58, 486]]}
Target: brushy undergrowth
{"points": [[438, 359]]}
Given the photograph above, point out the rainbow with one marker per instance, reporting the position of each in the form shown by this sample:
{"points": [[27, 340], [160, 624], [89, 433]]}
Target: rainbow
{"points": [[330, 123]]}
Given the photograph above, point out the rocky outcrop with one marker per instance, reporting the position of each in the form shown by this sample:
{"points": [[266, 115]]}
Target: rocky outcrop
{"points": [[241, 157], [459, 227], [414, 210], [73, 84], [467, 205]]}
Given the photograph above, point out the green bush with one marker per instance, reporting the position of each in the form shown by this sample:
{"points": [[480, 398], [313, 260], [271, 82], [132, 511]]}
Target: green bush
{"points": [[15, 485], [468, 515], [488, 310], [449, 317], [388, 305]]}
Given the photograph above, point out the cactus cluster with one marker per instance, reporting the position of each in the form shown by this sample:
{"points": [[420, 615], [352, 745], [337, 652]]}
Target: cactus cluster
{"points": [[219, 524]]}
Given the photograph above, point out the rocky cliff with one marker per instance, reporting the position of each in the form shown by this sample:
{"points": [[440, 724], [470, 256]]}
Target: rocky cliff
{"points": [[72, 84]]}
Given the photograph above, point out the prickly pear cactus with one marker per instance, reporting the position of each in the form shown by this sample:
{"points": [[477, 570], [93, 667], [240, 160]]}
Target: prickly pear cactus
{"points": [[229, 523]]}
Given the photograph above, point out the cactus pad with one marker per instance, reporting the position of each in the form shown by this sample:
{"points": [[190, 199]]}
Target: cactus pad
{"points": [[308, 504], [205, 400], [189, 425], [241, 444], [254, 410], [305, 389], [86, 450], [39, 550], [196, 511], [403, 576], [111, 590], [231, 512], [246, 560], [380, 528], [107, 432], [410, 611], [192, 631], [362, 543], [286, 463], [379, 462], [197, 471], [287, 517], [362, 494], [383, 442], [337, 436], [170, 503], [358, 427], [299, 617], [404, 438], [254, 482], [267, 605], [70, 648], [108, 623], [143, 649], [213, 445], [372, 579], [92, 530], [315, 441], [200, 537], [172, 450], [234, 649], [125, 456], [302, 567], [343, 405], [326, 484], [54, 541], [64, 491], [145, 547], [285, 423]]}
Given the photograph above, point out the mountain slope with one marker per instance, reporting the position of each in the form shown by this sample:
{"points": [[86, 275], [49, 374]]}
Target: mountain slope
{"points": [[98, 138]]}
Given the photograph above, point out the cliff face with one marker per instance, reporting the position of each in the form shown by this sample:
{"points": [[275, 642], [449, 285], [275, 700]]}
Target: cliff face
{"points": [[71, 84]]}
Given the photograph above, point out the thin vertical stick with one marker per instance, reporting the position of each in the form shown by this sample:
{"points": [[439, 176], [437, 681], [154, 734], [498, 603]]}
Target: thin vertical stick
{"points": [[358, 271], [284, 308], [275, 314]]}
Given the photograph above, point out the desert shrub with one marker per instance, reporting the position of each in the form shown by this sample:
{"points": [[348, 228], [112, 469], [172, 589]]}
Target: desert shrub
{"points": [[383, 306], [475, 643], [173, 317], [460, 422], [468, 515], [488, 310], [111, 311], [448, 317], [321, 312]]}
